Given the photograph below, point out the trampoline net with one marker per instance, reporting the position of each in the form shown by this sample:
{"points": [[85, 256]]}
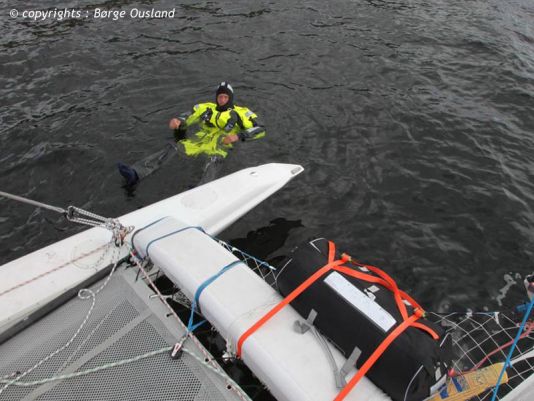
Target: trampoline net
{"points": [[125, 323], [482, 339]]}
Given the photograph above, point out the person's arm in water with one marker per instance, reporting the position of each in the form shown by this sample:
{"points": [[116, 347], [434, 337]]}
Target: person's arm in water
{"points": [[179, 128], [180, 124], [252, 132]]}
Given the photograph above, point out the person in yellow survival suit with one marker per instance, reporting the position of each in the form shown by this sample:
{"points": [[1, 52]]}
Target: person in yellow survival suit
{"points": [[221, 124]]}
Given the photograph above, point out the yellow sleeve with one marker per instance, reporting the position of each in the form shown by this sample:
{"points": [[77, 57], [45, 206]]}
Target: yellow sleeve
{"points": [[247, 116], [198, 109]]}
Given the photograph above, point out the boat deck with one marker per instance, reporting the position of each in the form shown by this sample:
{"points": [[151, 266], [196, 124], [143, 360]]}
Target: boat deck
{"points": [[117, 350]]}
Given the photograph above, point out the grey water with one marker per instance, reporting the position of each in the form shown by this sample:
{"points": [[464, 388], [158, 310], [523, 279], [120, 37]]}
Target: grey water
{"points": [[413, 119]]}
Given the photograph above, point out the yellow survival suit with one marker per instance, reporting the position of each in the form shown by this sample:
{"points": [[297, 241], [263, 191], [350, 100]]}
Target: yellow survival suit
{"points": [[215, 125]]}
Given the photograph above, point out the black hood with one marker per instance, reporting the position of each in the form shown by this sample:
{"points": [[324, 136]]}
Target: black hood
{"points": [[225, 87]]}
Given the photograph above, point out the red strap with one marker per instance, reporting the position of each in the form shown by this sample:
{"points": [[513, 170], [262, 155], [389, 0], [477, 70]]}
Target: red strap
{"points": [[376, 354], [399, 296], [382, 279], [294, 294], [331, 251], [363, 276], [391, 285], [396, 291]]}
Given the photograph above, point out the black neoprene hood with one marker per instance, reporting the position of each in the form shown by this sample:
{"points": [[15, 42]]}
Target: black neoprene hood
{"points": [[225, 87]]}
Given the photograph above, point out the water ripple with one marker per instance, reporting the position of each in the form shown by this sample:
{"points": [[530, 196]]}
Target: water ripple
{"points": [[413, 120]]}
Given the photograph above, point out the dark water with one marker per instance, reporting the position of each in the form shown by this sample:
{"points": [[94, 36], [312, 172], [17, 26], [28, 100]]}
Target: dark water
{"points": [[414, 121]]}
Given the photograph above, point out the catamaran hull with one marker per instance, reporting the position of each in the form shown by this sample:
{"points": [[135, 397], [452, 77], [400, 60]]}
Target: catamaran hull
{"points": [[36, 280]]}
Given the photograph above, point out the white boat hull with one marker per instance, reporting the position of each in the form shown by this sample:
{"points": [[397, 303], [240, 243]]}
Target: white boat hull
{"points": [[293, 366], [34, 280]]}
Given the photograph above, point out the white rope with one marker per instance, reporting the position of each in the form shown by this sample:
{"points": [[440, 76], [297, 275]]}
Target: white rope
{"points": [[86, 372], [84, 293], [212, 364], [120, 363], [15, 379]]}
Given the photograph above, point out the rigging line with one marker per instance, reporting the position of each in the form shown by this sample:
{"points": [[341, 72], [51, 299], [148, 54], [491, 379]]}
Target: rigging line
{"points": [[32, 202]]}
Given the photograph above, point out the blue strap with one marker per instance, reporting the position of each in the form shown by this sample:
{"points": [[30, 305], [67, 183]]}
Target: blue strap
{"points": [[195, 326], [202, 287], [190, 326], [143, 228], [509, 357], [457, 384], [169, 234], [258, 261]]}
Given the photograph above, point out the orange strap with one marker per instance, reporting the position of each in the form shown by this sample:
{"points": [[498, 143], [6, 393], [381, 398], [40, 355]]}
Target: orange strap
{"points": [[377, 354], [383, 279], [295, 293], [392, 286]]}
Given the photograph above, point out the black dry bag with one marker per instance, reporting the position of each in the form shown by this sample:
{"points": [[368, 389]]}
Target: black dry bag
{"points": [[356, 313]]}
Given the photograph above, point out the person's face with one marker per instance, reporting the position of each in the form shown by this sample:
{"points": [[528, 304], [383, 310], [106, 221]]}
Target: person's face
{"points": [[222, 99]]}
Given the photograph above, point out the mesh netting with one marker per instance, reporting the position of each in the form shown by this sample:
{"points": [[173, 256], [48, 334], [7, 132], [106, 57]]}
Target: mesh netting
{"points": [[479, 339], [121, 327], [483, 339], [124, 326], [261, 268]]}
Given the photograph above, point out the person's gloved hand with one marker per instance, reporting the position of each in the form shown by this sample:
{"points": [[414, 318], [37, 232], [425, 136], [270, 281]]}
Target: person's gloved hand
{"points": [[228, 139], [174, 123]]}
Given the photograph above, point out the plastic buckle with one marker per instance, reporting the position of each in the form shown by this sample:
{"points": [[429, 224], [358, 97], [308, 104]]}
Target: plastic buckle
{"points": [[419, 312], [177, 350]]}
